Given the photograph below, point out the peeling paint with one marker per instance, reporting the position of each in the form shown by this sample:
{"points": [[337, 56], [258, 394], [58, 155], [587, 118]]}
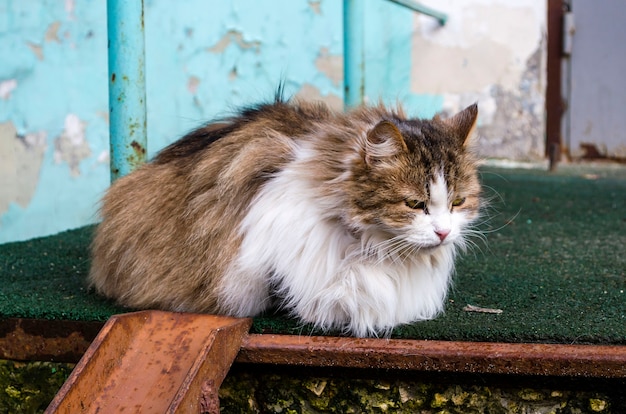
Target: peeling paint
{"points": [[232, 75], [71, 146], [517, 125], [70, 5], [330, 65], [234, 36], [104, 157], [192, 84], [459, 69], [36, 49], [206, 64], [311, 93], [52, 33], [491, 52], [104, 115], [315, 7], [21, 158], [481, 45], [6, 87]]}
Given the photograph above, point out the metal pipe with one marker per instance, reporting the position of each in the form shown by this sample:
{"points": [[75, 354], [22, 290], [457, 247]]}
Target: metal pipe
{"points": [[127, 86], [419, 8], [354, 52]]}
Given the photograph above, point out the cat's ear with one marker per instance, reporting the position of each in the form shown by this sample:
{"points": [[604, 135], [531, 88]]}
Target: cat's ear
{"points": [[383, 141], [464, 123]]}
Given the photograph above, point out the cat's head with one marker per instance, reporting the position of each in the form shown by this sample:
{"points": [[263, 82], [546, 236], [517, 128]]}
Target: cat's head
{"points": [[416, 180]]}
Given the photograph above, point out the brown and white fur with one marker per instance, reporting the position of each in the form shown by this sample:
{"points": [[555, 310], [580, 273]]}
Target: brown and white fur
{"points": [[348, 220]]}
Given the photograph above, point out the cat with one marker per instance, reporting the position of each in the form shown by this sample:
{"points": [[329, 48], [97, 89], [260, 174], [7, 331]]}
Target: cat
{"points": [[350, 221]]}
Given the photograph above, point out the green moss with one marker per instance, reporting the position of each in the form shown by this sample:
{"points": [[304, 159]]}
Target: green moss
{"points": [[253, 392], [439, 401], [29, 387], [530, 395], [598, 405]]}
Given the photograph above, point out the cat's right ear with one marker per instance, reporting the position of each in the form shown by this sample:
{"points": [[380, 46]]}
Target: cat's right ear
{"points": [[383, 141], [464, 124]]}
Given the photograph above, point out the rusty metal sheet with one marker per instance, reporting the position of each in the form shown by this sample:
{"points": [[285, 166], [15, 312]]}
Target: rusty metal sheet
{"points": [[440, 356], [153, 362]]}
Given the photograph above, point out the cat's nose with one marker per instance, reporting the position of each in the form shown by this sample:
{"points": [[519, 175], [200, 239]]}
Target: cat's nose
{"points": [[442, 233]]}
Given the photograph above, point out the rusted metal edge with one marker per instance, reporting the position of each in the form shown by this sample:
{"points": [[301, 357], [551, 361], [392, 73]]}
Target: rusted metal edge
{"points": [[23, 339], [67, 341], [153, 361], [440, 356]]}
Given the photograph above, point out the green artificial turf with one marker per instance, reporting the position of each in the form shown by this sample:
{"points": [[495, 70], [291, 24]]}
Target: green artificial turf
{"points": [[44, 278], [553, 261]]}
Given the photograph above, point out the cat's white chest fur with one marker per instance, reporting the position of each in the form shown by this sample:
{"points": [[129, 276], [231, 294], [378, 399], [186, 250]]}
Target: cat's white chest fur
{"points": [[293, 249]]}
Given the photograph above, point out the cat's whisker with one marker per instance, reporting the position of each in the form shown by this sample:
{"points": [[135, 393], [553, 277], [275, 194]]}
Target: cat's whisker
{"points": [[506, 223], [412, 251], [483, 172], [487, 214], [389, 254], [495, 195], [386, 248], [471, 244], [404, 251], [474, 231]]}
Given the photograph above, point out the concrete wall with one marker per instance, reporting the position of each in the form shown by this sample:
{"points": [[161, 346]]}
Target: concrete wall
{"points": [[204, 61], [492, 52]]}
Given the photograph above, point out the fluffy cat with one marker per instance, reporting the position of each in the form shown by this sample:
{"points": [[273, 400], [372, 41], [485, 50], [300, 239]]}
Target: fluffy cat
{"points": [[349, 220]]}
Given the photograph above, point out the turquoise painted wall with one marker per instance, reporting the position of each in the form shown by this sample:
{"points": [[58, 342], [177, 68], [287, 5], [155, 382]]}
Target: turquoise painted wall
{"points": [[203, 60]]}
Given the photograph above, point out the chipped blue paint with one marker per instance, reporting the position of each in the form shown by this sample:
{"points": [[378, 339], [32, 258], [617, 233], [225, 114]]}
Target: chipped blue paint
{"points": [[192, 74], [388, 60], [67, 78], [127, 86], [354, 52], [288, 41]]}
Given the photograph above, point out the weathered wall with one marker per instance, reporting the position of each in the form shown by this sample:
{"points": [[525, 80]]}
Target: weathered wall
{"points": [[202, 62], [491, 52], [53, 115]]}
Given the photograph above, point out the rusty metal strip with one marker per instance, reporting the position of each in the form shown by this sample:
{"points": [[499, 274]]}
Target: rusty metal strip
{"points": [[24, 339], [67, 341], [153, 361], [440, 356]]}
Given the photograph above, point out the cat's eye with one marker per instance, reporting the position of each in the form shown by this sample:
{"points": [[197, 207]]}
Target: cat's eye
{"points": [[415, 204], [458, 202]]}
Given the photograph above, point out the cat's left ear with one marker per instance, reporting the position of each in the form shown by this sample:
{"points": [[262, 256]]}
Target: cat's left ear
{"points": [[464, 123], [383, 141]]}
